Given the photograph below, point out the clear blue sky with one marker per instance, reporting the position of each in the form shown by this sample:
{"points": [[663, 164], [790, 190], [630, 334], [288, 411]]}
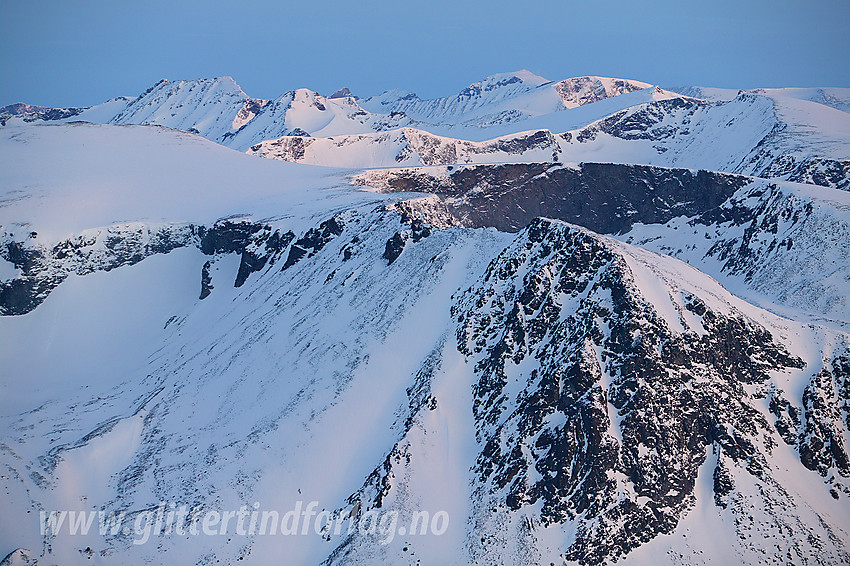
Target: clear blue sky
{"points": [[81, 52]]}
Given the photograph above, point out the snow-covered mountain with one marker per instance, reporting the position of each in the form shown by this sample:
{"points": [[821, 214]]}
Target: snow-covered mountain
{"points": [[718, 222], [503, 98], [408, 147], [838, 98], [783, 138], [219, 110], [619, 334]]}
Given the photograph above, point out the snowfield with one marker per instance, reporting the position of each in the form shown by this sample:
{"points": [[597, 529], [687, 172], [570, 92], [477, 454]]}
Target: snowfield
{"points": [[148, 174]]}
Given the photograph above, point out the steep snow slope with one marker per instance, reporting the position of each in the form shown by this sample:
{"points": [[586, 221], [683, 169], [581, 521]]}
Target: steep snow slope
{"points": [[774, 243], [245, 391], [208, 107], [309, 364]]}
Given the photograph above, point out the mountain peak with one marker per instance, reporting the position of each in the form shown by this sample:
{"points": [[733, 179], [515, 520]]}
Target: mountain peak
{"points": [[344, 92], [523, 75], [521, 78]]}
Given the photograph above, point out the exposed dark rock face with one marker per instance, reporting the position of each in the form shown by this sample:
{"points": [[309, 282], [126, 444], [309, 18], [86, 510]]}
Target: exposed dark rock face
{"points": [[295, 254], [419, 230], [395, 246], [723, 484], [206, 281], [521, 144], [787, 416], [42, 269], [313, 241], [646, 123], [18, 556], [607, 198], [825, 405], [20, 296], [290, 148], [249, 110], [226, 236], [613, 421], [748, 226], [586, 90], [816, 171], [435, 150], [594, 411], [299, 133], [264, 248], [32, 113]]}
